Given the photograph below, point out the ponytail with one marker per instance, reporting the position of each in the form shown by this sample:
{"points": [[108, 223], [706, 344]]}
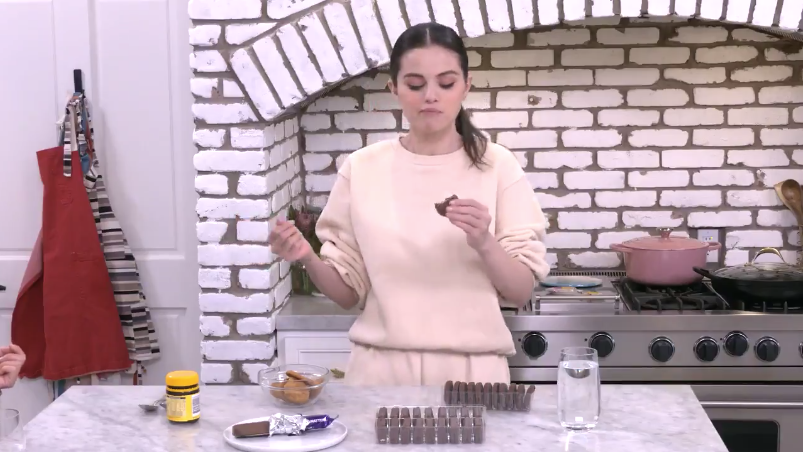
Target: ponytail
{"points": [[474, 142]]}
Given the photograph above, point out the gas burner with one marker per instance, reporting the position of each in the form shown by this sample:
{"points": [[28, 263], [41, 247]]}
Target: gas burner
{"points": [[778, 307], [693, 297]]}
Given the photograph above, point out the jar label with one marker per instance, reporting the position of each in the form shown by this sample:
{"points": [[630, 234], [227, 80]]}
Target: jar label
{"points": [[183, 408]]}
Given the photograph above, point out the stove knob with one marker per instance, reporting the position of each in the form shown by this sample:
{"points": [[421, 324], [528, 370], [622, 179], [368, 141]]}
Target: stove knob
{"points": [[767, 349], [706, 349], [736, 344], [602, 343], [534, 345], [661, 349]]}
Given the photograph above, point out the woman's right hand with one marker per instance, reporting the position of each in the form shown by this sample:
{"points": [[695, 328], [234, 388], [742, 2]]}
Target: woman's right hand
{"points": [[287, 242]]}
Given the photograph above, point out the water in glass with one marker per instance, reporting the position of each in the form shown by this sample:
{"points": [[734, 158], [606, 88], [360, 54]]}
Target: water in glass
{"points": [[578, 388], [12, 435]]}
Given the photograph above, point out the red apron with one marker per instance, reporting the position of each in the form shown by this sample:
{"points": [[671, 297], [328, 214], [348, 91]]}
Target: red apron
{"points": [[66, 318]]}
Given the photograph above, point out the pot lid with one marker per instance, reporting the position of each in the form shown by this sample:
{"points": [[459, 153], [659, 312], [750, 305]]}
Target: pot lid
{"points": [[763, 271], [665, 242]]}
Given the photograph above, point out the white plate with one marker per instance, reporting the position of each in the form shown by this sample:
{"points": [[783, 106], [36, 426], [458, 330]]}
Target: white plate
{"points": [[315, 440]]}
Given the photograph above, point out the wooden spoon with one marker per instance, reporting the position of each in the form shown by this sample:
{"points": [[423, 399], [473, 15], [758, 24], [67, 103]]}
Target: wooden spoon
{"points": [[791, 195]]}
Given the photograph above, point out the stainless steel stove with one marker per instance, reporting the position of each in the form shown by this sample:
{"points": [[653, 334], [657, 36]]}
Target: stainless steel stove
{"points": [[743, 360]]}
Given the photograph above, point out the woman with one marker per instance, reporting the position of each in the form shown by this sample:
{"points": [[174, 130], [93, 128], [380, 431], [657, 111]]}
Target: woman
{"points": [[11, 360], [429, 286]]}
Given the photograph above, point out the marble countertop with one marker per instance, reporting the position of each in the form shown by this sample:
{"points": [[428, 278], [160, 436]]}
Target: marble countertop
{"points": [[314, 313], [634, 418]]}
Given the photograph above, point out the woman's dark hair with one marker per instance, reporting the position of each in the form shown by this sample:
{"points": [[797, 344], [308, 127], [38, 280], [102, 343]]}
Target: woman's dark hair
{"points": [[431, 33]]}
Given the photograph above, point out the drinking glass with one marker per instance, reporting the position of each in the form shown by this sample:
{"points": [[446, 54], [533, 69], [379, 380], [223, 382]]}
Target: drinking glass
{"points": [[12, 436], [578, 388]]}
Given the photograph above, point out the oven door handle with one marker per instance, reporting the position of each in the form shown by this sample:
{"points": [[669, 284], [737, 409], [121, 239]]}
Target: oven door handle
{"points": [[754, 405]]}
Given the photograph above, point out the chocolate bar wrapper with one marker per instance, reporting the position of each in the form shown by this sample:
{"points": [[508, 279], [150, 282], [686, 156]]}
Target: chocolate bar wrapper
{"points": [[292, 425]]}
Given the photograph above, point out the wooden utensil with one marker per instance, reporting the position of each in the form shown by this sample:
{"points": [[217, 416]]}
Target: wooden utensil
{"points": [[791, 195]]}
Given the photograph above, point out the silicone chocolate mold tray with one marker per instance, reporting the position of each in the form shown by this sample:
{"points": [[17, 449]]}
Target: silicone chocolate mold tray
{"points": [[496, 396], [430, 425]]}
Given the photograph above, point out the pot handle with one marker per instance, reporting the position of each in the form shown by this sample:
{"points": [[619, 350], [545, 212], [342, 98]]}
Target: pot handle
{"points": [[713, 246], [620, 248], [702, 271]]}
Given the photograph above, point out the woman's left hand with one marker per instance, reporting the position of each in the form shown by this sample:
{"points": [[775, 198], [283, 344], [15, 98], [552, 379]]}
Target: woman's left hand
{"points": [[474, 219]]}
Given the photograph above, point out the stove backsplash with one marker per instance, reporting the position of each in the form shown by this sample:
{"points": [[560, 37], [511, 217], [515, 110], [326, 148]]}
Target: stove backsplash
{"points": [[622, 125]]}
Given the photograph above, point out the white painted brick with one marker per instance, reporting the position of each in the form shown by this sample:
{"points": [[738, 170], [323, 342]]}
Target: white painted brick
{"points": [[736, 257], [723, 178], [474, 58], [628, 36], [753, 198], [562, 118], [649, 179], [652, 219], [686, 9], [627, 159], [377, 83], [616, 199], [306, 72], [523, 14], [372, 38], [251, 370], [320, 182], [477, 101], [657, 97], [592, 57], [700, 35], [500, 120], [592, 98], [781, 137], [593, 180], [590, 259], [214, 278], [602, 8], [561, 77], [251, 161], [780, 95], [691, 198], [212, 373], [758, 158], [606, 239], [219, 209], [346, 38], [225, 255], [560, 159], [782, 55], [628, 117], [693, 116], [498, 79], [658, 137], [753, 239], [724, 96], [568, 240], [723, 137], [693, 158], [318, 40], [797, 114], [279, 9], [271, 60], [783, 218], [256, 326], [587, 220], [559, 37], [542, 180], [522, 58], [228, 303], [472, 18], [574, 10], [393, 20], [526, 99], [696, 76], [317, 162], [312, 122], [253, 231], [325, 142], [733, 218], [772, 177], [794, 238], [247, 138], [232, 89], [212, 184], [660, 55], [237, 350], [223, 113], [568, 201], [591, 138], [761, 74], [214, 326], [494, 40], [548, 13], [208, 61], [726, 54], [333, 103], [528, 139], [630, 8], [251, 278], [237, 34], [203, 87], [224, 9], [626, 77], [380, 102], [204, 35], [209, 138], [210, 231]]}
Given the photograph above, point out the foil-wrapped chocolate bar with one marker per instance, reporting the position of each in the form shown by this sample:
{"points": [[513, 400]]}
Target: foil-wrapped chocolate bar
{"points": [[282, 424]]}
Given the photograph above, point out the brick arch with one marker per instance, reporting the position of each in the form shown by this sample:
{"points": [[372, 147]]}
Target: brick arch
{"points": [[317, 44]]}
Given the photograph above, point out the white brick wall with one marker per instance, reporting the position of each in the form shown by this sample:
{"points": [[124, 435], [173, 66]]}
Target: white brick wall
{"points": [[622, 126]]}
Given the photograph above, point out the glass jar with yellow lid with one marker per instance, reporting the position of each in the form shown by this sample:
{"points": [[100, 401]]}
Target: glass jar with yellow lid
{"points": [[183, 400]]}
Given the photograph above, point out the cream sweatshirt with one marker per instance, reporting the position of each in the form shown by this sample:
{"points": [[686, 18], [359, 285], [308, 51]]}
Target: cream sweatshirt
{"points": [[420, 285]]}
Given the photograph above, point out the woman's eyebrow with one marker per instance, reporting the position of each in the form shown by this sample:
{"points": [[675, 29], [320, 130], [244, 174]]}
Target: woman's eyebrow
{"points": [[439, 75]]}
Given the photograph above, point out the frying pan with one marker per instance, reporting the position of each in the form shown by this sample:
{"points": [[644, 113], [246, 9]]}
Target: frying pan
{"points": [[754, 281]]}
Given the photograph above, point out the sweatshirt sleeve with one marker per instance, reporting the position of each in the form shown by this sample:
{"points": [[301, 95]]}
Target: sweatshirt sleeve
{"points": [[339, 246], [521, 224]]}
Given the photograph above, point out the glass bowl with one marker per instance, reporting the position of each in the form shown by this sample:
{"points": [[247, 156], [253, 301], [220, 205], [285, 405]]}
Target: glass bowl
{"points": [[294, 385]]}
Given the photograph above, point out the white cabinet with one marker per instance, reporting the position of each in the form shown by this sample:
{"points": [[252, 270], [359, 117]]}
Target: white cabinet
{"points": [[328, 349]]}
